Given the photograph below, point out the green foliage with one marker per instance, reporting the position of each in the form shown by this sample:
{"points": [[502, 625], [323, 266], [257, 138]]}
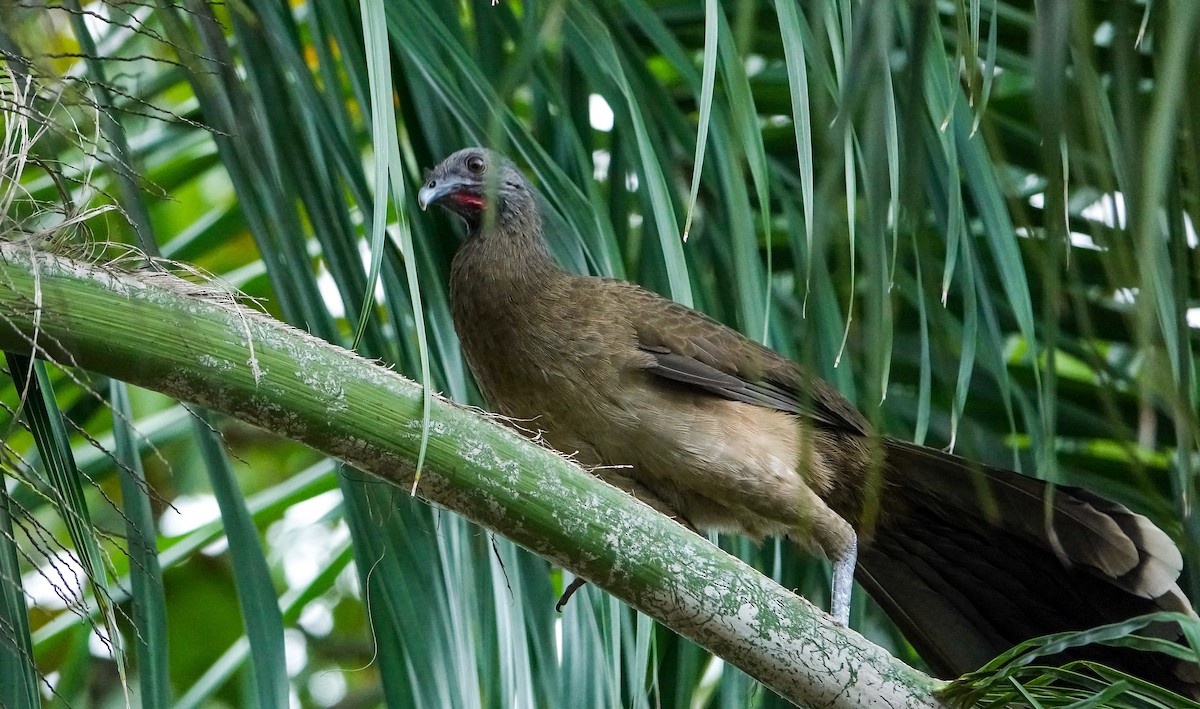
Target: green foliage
{"points": [[976, 218], [1015, 678]]}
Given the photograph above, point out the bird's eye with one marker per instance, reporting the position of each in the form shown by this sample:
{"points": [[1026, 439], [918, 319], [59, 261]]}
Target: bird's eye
{"points": [[475, 164]]}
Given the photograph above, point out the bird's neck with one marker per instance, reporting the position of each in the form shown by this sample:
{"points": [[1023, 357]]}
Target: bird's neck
{"points": [[507, 263]]}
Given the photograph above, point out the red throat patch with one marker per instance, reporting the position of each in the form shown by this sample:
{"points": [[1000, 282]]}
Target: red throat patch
{"points": [[471, 200]]}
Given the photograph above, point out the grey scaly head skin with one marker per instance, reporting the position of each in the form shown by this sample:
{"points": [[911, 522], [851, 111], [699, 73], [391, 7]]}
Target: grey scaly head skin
{"points": [[477, 182]]}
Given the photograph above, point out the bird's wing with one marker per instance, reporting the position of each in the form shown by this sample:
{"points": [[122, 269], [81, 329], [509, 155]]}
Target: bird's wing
{"points": [[692, 349]]}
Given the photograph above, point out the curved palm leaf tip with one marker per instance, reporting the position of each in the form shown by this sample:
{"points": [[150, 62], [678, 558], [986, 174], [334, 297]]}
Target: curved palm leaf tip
{"points": [[724, 434]]}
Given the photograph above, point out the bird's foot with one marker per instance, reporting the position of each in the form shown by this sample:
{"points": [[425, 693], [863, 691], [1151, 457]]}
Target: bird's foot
{"points": [[574, 586], [843, 583]]}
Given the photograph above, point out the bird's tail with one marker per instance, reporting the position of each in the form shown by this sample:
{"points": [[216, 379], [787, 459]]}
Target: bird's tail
{"points": [[970, 560]]}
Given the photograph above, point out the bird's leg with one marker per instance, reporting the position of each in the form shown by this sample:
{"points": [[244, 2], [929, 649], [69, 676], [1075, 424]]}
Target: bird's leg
{"points": [[574, 586], [843, 582], [822, 528]]}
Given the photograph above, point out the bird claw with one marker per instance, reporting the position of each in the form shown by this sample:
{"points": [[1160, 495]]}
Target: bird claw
{"points": [[574, 586]]}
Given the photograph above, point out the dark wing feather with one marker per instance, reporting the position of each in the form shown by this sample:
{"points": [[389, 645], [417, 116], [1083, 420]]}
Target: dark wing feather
{"points": [[690, 348], [693, 372]]}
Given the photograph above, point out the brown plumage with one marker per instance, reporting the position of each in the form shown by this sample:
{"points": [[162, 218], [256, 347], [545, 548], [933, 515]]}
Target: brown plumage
{"points": [[724, 434]]}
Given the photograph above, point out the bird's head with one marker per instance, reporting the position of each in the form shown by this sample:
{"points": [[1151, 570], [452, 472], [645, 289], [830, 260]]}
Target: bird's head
{"points": [[475, 181]]}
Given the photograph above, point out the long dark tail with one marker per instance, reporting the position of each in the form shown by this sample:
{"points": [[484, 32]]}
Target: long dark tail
{"points": [[965, 562]]}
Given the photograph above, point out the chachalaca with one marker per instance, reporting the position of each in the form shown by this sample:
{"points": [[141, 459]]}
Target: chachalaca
{"points": [[721, 433]]}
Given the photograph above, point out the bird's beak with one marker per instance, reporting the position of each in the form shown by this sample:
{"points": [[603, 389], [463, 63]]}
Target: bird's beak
{"points": [[438, 188]]}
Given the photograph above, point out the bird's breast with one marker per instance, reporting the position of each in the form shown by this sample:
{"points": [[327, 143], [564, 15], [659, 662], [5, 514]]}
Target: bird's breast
{"points": [[542, 360]]}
